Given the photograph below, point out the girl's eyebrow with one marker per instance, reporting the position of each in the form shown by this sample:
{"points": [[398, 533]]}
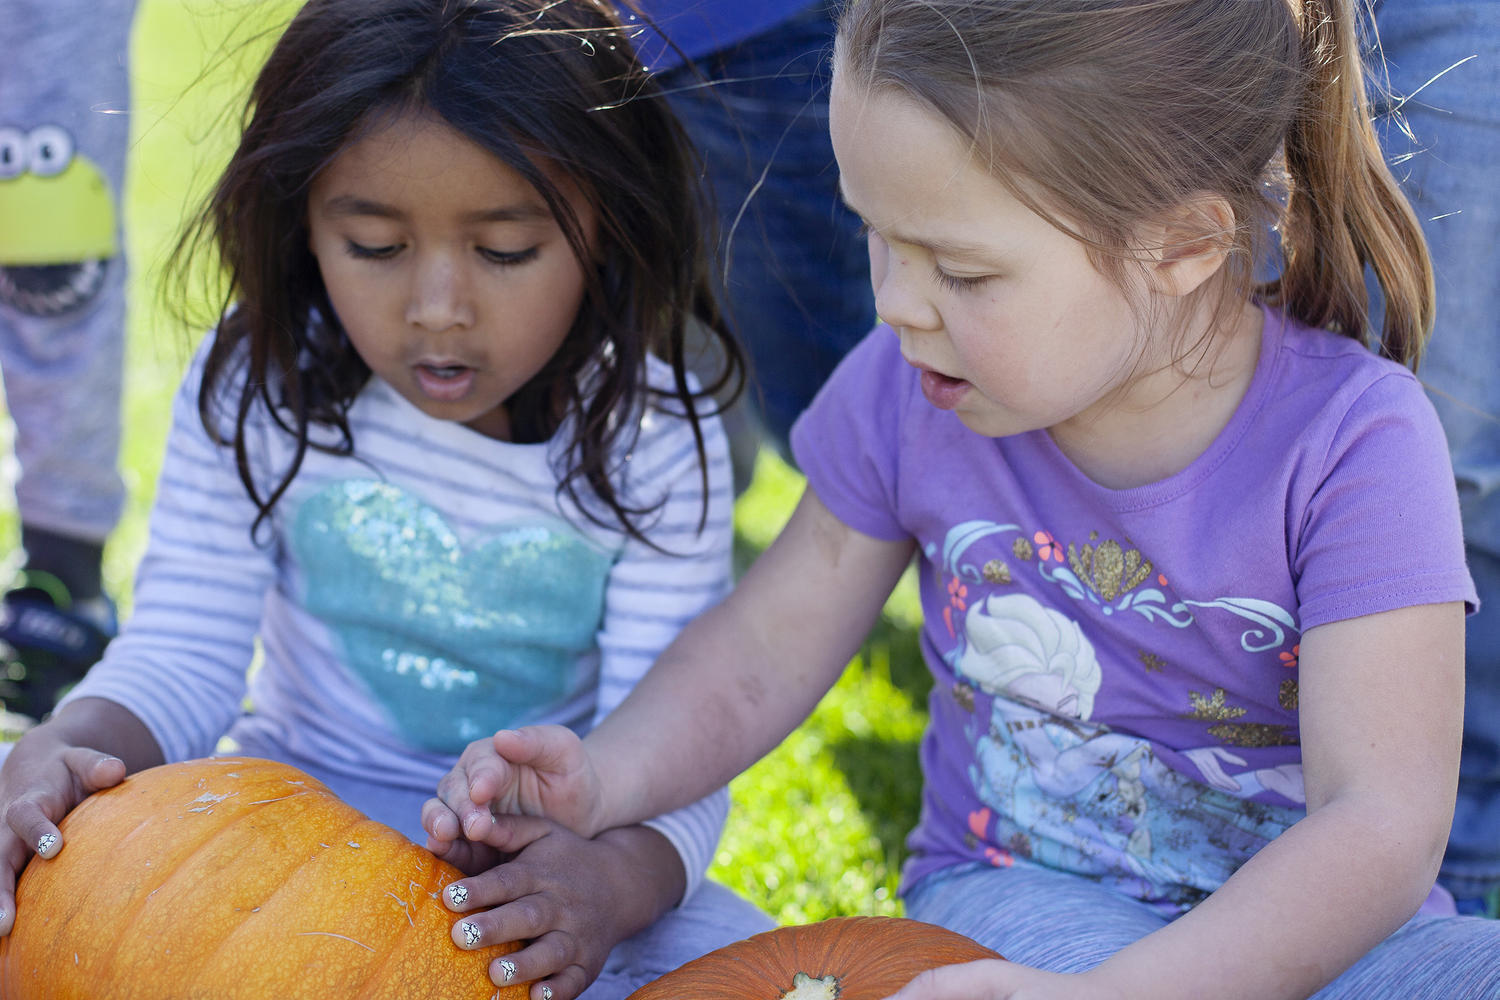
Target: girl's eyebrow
{"points": [[937, 245], [348, 204]]}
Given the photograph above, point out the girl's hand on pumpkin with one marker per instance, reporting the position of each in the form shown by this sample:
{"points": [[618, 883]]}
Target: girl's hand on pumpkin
{"points": [[42, 781], [996, 979], [535, 771], [570, 900]]}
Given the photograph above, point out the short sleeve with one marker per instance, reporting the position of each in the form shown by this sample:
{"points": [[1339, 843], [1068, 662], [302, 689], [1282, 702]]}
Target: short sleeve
{"points": [[847, 442], [1382, 529]]}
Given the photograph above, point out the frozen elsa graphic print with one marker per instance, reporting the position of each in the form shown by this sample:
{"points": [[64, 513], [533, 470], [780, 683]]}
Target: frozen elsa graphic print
{"points": [[1062, 788]]}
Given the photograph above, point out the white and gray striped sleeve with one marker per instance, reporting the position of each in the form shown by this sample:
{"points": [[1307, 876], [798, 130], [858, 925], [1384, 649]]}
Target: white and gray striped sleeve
{"points": [[180, 662], [652, 594]]}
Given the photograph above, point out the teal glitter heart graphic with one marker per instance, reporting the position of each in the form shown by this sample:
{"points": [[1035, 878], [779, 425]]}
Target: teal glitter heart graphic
{"points": [[454, 642]]}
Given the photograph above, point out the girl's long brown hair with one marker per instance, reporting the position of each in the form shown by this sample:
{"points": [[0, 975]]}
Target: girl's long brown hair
{"points": [[1104, 114], [547, 86]]}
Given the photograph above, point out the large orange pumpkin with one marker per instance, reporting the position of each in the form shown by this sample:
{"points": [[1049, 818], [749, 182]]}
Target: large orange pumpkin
{"points": [[236, 879], [845, 958]]}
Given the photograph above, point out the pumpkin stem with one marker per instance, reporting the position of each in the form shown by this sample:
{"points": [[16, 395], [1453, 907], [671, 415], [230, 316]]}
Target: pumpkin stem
{"points": [[805, 987]]}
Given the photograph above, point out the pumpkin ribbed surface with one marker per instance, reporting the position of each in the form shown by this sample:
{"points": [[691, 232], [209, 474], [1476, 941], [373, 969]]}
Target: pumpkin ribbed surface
{"points": [[845, 958], [236, 879]]}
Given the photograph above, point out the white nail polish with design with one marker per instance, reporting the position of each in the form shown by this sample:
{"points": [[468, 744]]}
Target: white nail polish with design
{"points": [[45, 845], [471, 933], [546, 992], [458, 895], [507, 969]]}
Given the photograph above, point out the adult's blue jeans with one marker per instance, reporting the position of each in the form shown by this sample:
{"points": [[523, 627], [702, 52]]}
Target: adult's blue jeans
{"points": [[1443, 61], [792, 264]]}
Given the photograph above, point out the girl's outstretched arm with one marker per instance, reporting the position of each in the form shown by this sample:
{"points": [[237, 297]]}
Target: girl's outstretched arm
{"points": [[745, 673], [733, 684], [88, 745]]}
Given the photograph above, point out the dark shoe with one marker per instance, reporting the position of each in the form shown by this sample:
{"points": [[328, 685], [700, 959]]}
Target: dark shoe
{"points": [[47, 643]]}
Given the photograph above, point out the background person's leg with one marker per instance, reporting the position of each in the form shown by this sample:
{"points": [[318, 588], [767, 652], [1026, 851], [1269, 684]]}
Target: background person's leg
{"points": [[64, 133], [792, 262], [1443, 60]]}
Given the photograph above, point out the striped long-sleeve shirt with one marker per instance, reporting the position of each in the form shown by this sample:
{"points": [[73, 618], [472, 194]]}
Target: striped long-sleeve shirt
{"points": [[409, 598]]}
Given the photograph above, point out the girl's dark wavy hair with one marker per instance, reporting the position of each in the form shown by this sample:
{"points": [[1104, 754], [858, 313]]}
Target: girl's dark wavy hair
{"points": [[541, 84]]}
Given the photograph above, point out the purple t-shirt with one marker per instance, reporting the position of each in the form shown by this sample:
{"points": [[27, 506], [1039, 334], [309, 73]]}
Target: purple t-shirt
{"points": [[1116, 670]]}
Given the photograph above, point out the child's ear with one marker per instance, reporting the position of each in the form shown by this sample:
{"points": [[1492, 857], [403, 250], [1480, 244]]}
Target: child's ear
{"points": [[1185, 247]]}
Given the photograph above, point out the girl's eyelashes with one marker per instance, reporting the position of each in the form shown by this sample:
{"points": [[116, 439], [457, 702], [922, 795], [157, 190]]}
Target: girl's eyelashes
{"points": [[956, 283], [508, 258], [363, 252], [503, 258]]}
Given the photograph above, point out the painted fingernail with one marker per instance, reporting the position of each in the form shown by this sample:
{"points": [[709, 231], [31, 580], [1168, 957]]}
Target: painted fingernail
{"points": [[46, 843], [507, 969], [471, 933], [458, 895], [546, 992]]}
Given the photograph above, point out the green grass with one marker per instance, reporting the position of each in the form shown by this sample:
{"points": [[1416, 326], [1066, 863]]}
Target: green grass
{"points": [[816, 828]]}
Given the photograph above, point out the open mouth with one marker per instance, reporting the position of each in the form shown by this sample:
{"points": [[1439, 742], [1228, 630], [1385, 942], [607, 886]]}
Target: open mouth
{"points": [[52, 289], [943, 391], [446, 382], [444, 371]]}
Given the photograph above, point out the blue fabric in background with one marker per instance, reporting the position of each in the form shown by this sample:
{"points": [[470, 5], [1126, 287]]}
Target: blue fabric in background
{"points": [[698, 27]]}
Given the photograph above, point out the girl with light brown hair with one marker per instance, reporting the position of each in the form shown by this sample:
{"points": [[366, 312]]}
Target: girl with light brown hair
{"points": [[1188, 543]]}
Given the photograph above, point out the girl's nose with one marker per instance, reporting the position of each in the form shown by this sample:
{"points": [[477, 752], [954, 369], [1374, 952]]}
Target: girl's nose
{"points": [[900, 289], [440, 296]]}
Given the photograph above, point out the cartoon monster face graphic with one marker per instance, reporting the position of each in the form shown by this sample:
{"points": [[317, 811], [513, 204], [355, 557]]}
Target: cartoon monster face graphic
{"points": [[57, 222]]}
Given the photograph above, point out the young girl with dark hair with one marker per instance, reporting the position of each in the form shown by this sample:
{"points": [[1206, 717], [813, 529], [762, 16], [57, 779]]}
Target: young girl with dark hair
{"points": [[441, 462], [1188, 545]]}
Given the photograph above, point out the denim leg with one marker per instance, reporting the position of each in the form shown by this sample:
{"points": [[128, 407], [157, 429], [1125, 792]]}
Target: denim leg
{"points": [[1447, 169], [1430, 958], [793, 266], [1046, 919], [1471, 867]]}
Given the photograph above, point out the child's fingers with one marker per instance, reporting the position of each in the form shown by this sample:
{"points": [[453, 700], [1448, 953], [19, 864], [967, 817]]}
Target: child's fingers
{"points": [[491, 779], [34, 828], [510, 833], [12, 860], [549, 749], [543, 962], [982, 980], [469, 817], [466, 855], [92, 770], [495, 885], [564, 984], [30, 818], [440, 822], [527, 920]]}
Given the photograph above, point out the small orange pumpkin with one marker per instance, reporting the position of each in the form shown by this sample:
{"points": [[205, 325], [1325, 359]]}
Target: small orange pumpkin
{"points": [[847, 958], [236, 879]]}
